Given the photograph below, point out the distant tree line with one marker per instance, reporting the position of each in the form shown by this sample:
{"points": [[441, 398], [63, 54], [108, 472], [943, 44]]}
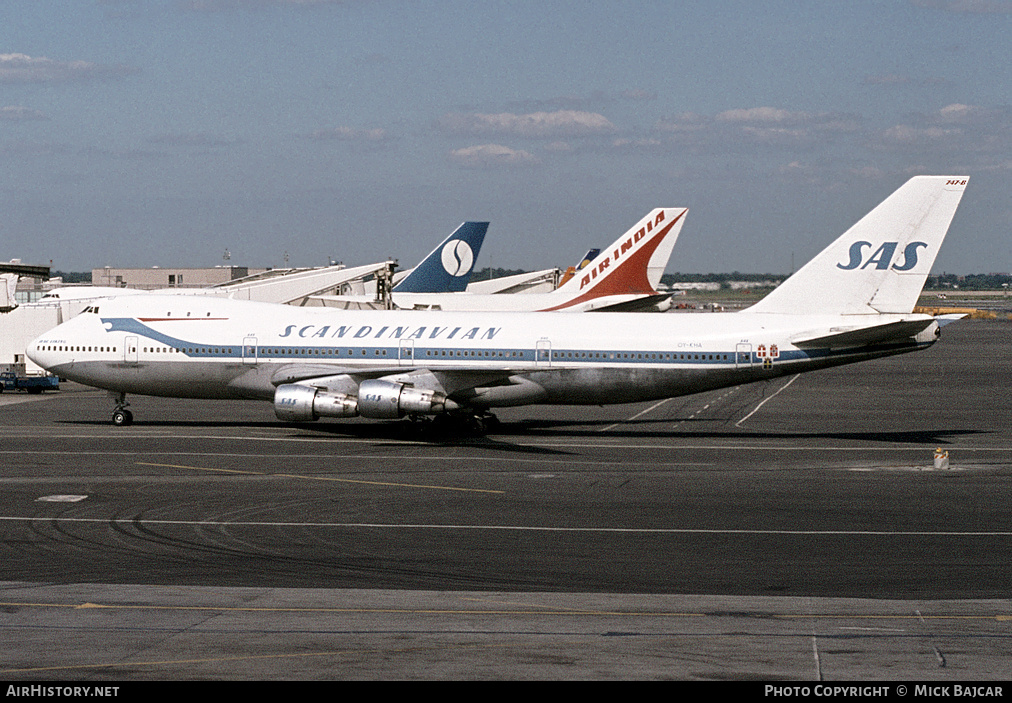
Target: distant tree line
{"points": [[973, 281], [72, 276], [487, 273], [722, 278]]}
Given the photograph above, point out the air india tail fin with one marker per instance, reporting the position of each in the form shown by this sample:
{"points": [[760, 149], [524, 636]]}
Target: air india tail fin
{"points": [[624, 267], [447, 269], [880, 264]]}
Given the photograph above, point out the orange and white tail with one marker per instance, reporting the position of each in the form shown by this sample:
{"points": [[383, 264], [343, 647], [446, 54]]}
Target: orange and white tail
{"points": [[632, 265]]}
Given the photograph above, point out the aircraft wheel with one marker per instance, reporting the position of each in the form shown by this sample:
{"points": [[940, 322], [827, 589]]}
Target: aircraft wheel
{"points": [[122, 418]]}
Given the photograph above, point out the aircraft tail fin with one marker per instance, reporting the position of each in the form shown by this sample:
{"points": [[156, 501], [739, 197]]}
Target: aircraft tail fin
{"points": [[587, 258], [571, 271], [623, 267], [448, 268], [880, 264]]}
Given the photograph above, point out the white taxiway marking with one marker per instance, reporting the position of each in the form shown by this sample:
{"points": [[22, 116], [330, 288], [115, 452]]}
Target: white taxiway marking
{"points": [[639, 414], [756, 409], [514, 528], [9, 398]]}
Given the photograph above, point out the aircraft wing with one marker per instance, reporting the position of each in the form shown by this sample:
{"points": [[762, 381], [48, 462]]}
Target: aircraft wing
{"points": [[447, 380], [306, 373], [889, 332]]}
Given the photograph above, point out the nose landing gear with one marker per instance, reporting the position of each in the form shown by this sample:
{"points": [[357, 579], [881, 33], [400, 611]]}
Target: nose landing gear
{"points": [[121, 417]]}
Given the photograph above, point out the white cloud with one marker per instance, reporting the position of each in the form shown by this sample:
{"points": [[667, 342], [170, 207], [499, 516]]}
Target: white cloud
{"points": [[766, 125], [350, 134], [757, 119], [221, 5], [197, 139], [957, 112], [561, 123], [21, 68], [907, 133], [762, 114], [16, 113], [956, 129], [623, 142], [490, 155]]}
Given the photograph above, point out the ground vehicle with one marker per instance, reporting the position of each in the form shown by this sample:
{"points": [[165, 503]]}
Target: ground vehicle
{"points": [[14, 377]]}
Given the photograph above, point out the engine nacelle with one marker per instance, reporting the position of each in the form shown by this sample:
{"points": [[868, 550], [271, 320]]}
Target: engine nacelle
{"points": [[384, 400], [296, 403]]}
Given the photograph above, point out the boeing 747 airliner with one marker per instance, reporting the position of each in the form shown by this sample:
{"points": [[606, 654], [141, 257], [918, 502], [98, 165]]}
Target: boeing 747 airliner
{"points": [[852, 302]]}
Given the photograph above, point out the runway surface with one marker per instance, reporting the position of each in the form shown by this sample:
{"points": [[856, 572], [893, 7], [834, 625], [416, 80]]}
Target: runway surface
{"points": [[792, 529]]}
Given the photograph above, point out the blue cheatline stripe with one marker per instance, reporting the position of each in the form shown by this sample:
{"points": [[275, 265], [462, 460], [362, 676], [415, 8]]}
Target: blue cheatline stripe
{"points": [[422, 354]]}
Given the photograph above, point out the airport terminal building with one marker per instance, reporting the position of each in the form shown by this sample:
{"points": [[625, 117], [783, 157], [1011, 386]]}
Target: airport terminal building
{"points": [[156, 277]]}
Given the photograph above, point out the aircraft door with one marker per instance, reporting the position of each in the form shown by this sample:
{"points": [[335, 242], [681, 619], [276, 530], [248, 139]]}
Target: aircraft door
{"points": [[743, 356], [249, 351], [130, 349], [543, 352], [406, 353]]}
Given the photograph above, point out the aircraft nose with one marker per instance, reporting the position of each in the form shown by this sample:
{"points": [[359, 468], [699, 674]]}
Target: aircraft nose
{"points": [[45, 350], [36, 353]]}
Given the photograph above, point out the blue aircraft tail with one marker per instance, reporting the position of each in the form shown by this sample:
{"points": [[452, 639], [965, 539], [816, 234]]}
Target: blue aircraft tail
{"points": [[448, 268]]}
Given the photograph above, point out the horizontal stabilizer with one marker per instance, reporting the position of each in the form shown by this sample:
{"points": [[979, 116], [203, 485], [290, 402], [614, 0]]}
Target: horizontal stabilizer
{"points": [[892, 331], [949, 318], [646, 304]]}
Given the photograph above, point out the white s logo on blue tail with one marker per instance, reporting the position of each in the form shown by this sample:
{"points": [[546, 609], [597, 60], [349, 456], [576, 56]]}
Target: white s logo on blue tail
{"points": [[457, 258]]}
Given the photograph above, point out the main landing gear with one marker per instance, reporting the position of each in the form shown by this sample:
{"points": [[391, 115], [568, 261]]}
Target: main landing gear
{"points": [[459, 424], [121, 417]]}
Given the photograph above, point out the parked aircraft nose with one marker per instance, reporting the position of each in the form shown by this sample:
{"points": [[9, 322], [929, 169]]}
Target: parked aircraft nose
{"points": [[39, 353], [32, 352], [48, 350]]}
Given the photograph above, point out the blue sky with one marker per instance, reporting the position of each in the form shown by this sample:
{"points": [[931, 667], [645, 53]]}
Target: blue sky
{"points": [[163, 132]]}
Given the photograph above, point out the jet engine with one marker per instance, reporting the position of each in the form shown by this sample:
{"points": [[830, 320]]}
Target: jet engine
{"points": [[381, 399], [295, 403], [377, 399]]}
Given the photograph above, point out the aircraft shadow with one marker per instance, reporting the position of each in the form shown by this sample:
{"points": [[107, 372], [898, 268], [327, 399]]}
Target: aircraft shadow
{"points": [[589, 428], [392, 432], [500, 437]]}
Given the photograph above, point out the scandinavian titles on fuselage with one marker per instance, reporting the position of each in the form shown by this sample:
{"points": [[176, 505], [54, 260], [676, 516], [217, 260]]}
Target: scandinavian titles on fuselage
{"points": [[387, 331]]}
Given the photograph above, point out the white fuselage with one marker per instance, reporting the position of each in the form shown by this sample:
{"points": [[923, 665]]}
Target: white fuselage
{"points": [[215, 348]]}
